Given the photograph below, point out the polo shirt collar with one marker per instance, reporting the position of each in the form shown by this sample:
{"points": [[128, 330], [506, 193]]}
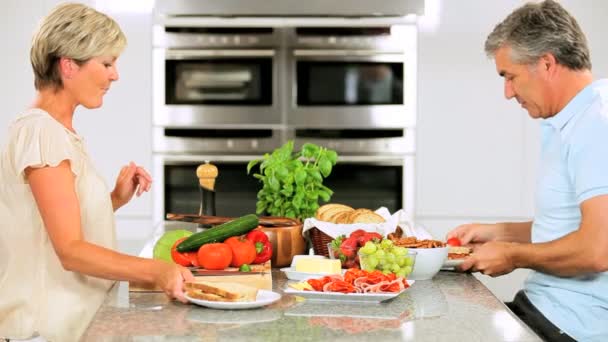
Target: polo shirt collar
{"points": [[576, 105]]}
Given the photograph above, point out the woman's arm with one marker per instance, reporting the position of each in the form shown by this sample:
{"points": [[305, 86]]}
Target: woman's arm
{"points": [[53, 189]]}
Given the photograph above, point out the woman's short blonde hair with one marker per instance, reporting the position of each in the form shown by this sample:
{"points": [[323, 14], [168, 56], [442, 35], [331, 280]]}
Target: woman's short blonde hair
{"points": [[73, 31]]}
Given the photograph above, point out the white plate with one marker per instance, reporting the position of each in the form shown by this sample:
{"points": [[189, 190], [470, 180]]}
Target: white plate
{"points": [[292, 274], [208, 315], [264, 297], [451, 263], [376, 297]]}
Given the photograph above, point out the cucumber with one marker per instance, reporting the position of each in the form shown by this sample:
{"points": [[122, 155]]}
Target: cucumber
{"points": [[238, 226]]}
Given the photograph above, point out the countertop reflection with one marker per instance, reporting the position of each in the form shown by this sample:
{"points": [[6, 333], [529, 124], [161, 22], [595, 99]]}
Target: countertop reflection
{"points": [[450, 307]]}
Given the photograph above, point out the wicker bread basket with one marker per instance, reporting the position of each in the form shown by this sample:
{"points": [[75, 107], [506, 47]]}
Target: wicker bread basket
{"points": [[319, 241]]}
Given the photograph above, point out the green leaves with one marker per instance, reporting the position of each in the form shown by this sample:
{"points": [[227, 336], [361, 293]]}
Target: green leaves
{"points": [[292, 181]]}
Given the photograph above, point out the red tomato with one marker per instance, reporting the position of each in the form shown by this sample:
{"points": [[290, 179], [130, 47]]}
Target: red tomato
{"points": [[455, 242], [214, 256], [180, 258], [243, 250]]}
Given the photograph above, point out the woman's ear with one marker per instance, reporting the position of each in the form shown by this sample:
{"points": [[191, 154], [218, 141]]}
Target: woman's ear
{"points": [[68, 67]]}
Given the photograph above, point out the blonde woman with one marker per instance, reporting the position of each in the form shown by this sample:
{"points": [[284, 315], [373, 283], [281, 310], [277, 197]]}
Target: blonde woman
{"points": [[57, 238]]}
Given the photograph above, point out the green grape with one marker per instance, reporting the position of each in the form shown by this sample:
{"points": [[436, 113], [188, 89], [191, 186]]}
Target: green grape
{"points": [[390, 258], [386, 272], [407, 269], [386, 243], [401, 260], [380, 254], [395, 268], [401, 273], [400, 251], [368, 248], [370, 262], [409, 261]]}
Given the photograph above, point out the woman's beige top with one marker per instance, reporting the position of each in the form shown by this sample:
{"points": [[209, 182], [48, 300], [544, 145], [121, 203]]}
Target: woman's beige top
{"points": [[36, 293]]}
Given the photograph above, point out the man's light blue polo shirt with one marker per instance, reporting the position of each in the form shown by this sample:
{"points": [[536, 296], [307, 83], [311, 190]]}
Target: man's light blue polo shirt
{"points": [[573, 168]]}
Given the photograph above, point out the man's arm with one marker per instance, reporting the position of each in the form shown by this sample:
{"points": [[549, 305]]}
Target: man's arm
{"points": [[515, 232], [478, 233], [581, 252]]}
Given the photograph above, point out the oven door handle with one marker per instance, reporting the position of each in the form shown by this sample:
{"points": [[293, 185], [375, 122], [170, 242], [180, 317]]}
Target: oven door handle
{"points": [[351, 159], [396, 160], [192, 54], [346, 53], [194, 158]]}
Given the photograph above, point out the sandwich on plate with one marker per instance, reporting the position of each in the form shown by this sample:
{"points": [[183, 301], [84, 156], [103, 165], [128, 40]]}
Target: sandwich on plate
{"points": [[221, 291], [458, 252]]}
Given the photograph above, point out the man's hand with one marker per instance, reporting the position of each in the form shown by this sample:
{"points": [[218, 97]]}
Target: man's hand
{"points": [[492, 258], [131, 179], [474, 233]]}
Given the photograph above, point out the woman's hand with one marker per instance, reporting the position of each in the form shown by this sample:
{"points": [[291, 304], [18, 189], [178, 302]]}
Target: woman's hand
{"points": [[171, 278], [131, 179]]}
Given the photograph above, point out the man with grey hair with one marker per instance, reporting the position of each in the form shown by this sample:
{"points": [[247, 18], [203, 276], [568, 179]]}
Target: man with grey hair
{"points": [[542, 54]]}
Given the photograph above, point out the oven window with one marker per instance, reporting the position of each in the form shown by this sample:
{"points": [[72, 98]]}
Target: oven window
{"points": [[226, 81], [346, 83], [367, 186], [360, 186], [235, 195]]}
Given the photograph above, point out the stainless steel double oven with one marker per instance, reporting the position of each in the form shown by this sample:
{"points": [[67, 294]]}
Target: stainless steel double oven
{"points": [[228, 94]]}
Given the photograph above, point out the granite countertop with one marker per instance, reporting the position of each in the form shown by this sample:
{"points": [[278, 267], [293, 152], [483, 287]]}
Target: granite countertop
{"points": [[450, 307]]}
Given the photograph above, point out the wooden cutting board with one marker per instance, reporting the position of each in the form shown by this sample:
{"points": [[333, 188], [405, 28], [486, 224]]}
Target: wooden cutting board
{"points": [[262, 279]]}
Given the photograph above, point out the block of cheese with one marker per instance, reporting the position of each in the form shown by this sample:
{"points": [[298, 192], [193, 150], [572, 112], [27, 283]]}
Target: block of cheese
{"points": [[316, 265]]}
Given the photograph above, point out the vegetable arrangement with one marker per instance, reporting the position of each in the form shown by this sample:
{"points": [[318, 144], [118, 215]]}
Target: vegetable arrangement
{"points": [[238, 226], [233, 243], [292, 182]]}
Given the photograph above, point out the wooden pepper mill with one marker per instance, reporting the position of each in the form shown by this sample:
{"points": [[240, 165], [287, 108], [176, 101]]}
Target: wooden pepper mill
{"points": [[207, 173]]}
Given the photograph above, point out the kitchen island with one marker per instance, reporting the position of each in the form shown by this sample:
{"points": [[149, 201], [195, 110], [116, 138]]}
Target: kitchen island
{"points": [[450, 307]]}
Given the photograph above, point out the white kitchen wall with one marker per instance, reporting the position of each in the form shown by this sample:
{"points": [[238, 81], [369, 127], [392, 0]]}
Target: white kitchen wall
{"points": [[476, 157], [476, 152], [118, 132]]}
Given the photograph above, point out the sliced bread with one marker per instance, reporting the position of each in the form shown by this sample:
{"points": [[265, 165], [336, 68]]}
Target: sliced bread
{"points": [[226, 290], [366, 216], [334, 207], [198, 294]]}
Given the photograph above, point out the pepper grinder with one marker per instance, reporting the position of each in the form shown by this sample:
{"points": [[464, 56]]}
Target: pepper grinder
{"points": [[207, 173]]}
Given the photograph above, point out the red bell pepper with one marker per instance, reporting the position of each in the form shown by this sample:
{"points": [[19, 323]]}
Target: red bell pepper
{"points": [[263, 247]]}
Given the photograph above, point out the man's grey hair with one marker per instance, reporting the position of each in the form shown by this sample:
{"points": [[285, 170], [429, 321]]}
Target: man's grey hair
{"points": [[539, 28]]}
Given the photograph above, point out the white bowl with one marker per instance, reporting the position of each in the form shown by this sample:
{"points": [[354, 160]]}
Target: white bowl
{"points": [[428, 262]]}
